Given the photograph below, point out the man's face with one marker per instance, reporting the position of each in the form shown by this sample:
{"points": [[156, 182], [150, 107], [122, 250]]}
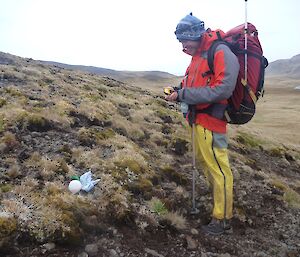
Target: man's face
{"points": [[190, 47]]}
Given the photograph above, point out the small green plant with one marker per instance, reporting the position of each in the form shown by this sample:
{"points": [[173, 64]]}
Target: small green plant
{"points": [[157, 206]]}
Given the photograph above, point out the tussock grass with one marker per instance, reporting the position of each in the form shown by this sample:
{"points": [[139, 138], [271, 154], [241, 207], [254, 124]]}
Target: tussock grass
{"points": [[2, 102], [171, 218], [87, 159], [292, 198], [129, 157], [248, 139], [100, 110], [2, 124], [10, 141], [46, 166], [176, 220], [277, 183]]}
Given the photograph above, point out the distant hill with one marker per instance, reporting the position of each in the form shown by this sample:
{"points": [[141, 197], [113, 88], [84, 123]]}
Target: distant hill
{"points": [[285, 67], [157, 79], [115, 74], [6, 58], [154, 80]]}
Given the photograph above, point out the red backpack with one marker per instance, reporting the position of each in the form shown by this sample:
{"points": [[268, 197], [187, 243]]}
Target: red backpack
{"points": [[241, 105]]}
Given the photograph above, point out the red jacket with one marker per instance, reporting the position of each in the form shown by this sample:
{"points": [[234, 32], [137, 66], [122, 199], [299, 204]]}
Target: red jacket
{"points": [[202, 90]]}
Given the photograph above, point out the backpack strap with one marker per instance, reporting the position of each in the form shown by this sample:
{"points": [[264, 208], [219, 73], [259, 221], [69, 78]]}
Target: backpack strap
{"points": [[215, 110], [211, 54], [249, 90], [263, 64]]}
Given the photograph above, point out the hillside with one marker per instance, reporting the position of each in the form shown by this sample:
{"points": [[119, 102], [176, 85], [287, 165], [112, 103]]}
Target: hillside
{"points": [[286, 67], [56, 123], [146, 79]]}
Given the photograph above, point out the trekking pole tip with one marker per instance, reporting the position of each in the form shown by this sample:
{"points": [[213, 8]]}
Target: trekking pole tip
{"points": [[195, 211]]}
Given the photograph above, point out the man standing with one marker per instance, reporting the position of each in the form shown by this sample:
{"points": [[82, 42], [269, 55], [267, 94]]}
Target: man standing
{"points": [[206, 93]]}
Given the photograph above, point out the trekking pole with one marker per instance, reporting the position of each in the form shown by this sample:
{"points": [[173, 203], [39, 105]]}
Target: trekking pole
{"points": [[246, 47], [194, 208]]}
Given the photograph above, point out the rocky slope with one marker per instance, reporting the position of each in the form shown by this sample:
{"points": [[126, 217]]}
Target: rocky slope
{"points": [[56, 123]]}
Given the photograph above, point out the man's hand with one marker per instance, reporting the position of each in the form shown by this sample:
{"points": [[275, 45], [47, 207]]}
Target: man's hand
{"points": [[171, 94], [172, 97]]}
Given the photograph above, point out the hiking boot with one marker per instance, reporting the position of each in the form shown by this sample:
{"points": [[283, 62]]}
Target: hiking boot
{"points": [[216, 227]]}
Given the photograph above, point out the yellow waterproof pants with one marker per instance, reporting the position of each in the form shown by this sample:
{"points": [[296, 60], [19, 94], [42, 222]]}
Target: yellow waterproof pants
{"points": [[211, 149]]}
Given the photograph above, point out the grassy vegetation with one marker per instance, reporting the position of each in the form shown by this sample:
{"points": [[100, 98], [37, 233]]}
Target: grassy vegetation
{"points": [[248, 140], [157, 206], [292, 198], [57, 123]]}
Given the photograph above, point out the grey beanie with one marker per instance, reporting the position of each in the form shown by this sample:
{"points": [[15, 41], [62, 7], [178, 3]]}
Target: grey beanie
{"points": [[189, 28]]}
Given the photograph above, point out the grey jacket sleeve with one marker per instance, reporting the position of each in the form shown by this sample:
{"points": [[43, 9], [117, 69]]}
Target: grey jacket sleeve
{"points": [[208, 94]]}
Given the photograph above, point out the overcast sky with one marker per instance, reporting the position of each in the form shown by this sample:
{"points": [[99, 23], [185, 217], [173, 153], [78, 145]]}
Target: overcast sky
{"points": [[136, 35]]}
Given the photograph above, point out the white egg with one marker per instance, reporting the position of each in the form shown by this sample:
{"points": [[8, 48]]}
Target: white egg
{"points": [[75, 186]]}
